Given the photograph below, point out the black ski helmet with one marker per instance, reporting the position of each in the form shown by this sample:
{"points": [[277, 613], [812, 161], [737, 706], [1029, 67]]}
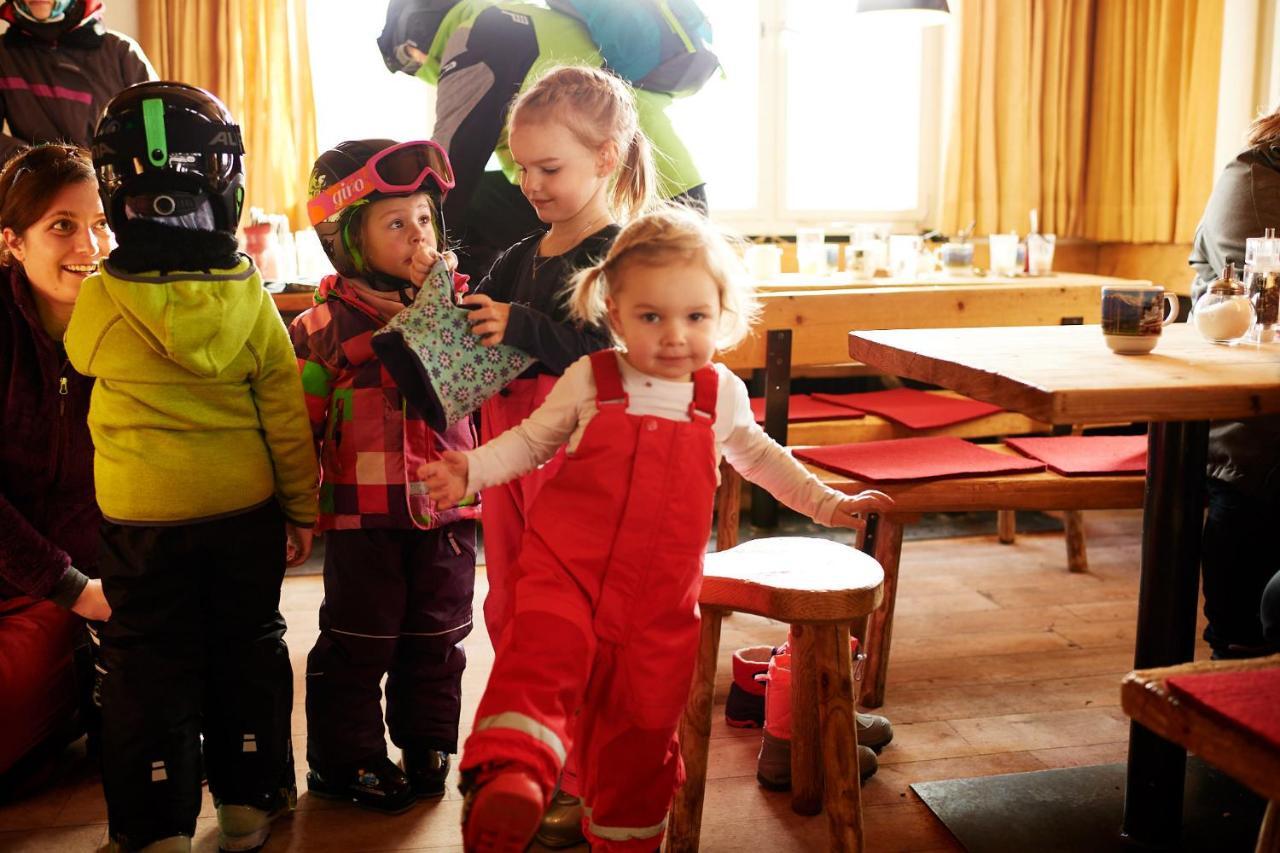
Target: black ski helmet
{"points": [[162, 148], [342, 161]]}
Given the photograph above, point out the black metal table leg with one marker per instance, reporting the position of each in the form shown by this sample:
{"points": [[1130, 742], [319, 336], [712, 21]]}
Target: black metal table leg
{"points": [[1171, 527]]}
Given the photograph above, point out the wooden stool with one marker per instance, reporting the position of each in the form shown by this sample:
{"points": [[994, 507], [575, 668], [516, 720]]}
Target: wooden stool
{"points": [[825, 591], [1236, 751]]}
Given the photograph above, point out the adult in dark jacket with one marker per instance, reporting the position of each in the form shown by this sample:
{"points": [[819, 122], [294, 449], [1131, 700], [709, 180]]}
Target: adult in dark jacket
{"points": [[54, 232], [58, 68], [1238, 555], [480, 54]]}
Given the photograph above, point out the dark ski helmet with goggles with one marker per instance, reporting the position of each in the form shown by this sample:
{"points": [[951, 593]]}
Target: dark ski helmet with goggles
{"points": [[352, 174], [171, 153]]}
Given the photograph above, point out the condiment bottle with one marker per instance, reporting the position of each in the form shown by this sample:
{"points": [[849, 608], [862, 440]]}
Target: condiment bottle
{"points": [[1223, 313]]}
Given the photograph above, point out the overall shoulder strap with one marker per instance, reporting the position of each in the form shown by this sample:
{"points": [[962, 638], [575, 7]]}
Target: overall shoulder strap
{"points": [[706, 387], [604, 367]]}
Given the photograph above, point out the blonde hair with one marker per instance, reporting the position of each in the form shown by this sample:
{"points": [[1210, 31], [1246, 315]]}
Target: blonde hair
{"points": [[670, 234], [597, 107]]}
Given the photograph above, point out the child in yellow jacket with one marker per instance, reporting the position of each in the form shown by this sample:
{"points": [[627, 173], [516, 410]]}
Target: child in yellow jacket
{"points": [[204, 468]]}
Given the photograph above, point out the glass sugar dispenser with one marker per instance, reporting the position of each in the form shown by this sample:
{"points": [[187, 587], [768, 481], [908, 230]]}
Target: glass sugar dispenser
{"points": [[1223, 313]]}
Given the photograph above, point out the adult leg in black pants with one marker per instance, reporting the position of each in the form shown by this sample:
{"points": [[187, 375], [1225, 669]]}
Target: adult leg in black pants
{"points": [[1237, 559]]}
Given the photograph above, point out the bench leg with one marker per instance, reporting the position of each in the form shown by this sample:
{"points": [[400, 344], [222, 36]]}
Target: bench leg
{"points": [[1006, 526], [1077, 555], [879, 634], [842, 796], [806, 749], [695, 738]]}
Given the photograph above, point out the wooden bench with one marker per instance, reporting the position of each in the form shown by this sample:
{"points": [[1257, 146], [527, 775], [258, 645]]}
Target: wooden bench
{"points": [[1244, 756], [1040, 491]]}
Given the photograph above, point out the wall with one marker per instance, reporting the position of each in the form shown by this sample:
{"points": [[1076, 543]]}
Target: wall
{"points": [[121, 16]]}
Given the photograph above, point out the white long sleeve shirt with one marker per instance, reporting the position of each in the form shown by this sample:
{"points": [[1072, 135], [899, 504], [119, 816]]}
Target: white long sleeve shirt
{"points": [[563, 417]]}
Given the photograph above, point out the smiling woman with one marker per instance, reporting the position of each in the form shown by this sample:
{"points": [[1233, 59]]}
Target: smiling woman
{"points": [[53, 232]]}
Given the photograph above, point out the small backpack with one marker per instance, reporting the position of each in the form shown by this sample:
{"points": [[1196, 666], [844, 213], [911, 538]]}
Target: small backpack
{"points": [[659, 45]]}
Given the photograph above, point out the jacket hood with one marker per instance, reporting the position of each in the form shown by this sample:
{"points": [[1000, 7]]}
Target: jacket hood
{"points": [[200, 321]]}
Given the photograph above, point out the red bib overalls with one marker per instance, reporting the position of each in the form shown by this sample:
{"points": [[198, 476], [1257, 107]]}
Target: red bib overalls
{"points": [[606, 615]]}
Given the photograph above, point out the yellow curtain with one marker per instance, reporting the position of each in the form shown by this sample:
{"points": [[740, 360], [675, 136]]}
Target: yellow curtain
{"points": [[1151, 139], [253, 55], [1018, 126], [1100, 115]]}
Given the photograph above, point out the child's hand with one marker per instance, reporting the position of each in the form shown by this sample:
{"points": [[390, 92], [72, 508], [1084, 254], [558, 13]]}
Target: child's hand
{"points": [[850, 512], [297, 544], [447, 479], [424, 258], [488, 319], [91, 603]]}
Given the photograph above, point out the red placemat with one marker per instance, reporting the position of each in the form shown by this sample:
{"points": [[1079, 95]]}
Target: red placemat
{"points": [[802, 407], [902, 459], [1245, 699], [912, 408], [1077, 455]]}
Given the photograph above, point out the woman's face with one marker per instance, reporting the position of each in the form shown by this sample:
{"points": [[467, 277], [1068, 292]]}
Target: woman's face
{"points": [[63, 246]]}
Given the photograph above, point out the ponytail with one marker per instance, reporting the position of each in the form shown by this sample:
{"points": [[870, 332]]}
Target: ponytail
{"points": [[587, 294], [633, 191], [1265, 130]]}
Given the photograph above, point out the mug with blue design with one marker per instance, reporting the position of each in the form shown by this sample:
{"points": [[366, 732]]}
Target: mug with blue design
{"points": [[1133, 315]]}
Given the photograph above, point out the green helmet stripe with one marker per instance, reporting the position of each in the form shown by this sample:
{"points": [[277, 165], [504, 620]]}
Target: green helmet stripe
{"points": [[153, 122]]}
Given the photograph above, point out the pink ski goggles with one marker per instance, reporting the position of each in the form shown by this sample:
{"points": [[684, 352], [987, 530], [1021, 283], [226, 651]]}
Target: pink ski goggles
{"points": [[396, 170]]}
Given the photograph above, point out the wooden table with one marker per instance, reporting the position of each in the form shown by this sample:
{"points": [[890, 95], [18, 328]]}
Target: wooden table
{"points": [[821, 312], [1249, 759], [1066, 375]]}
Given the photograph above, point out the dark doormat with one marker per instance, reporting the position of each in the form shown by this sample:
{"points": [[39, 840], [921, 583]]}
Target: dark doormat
{"points": [[1080, 809]]}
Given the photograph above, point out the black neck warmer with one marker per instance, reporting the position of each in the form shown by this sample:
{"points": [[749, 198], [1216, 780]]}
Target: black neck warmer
{"points": [[147, 246]]}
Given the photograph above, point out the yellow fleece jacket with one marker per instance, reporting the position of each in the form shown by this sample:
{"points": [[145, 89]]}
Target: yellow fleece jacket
{"points": [[198, 409]]}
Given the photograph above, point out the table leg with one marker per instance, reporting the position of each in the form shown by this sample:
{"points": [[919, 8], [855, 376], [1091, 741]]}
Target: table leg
{"points": [[1172, 520]]}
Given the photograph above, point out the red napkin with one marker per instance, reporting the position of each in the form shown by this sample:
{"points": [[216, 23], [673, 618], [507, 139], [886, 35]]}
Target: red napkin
{"points": [[1075, 455], [1246, 699], [802, 407], [914, 409], [900, 459]]}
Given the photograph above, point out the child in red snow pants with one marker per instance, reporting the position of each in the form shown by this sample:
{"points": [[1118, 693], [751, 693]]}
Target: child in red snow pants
{"points": [[606, 617]]}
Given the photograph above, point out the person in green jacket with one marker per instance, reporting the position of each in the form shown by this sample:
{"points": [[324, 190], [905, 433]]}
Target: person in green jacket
{"points": [[204, 470], [480, 54]]}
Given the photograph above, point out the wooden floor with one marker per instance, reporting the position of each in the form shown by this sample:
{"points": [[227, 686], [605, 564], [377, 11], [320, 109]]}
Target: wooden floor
{"points": [[1002, 662]]}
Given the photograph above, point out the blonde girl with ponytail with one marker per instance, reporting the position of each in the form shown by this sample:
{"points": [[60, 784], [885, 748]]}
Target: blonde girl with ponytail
{"points": [[598, 655], [585, 166]]}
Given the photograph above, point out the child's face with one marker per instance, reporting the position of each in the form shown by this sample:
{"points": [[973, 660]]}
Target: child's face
{"points": [[62, 248], [667, 315], [393, 229], [558, 174]]}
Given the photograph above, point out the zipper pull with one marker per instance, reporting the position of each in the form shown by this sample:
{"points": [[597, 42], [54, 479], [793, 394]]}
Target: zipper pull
{"points": [[62, 395]]}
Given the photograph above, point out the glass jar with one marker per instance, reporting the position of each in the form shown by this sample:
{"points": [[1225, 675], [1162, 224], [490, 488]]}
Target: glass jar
{"points": [[1224, 313]]}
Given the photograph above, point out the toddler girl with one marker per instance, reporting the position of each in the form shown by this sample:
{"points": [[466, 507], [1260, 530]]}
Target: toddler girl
{"points": [[605, 615]]}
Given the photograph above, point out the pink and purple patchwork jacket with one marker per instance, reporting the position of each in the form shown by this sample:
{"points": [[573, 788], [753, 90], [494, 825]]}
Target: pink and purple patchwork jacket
{"points": [[370, 444]]}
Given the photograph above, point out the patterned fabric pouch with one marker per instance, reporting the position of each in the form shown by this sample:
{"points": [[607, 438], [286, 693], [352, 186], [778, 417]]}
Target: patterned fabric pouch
{"points": [[439, 365]]}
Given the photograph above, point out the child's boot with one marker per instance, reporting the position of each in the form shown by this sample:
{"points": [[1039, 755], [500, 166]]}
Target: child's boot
{"points": [[246, 827], [773, 767], [874, 730], [502, 813], [562, 823], [744, 708], [377, 784], [427, 771]]}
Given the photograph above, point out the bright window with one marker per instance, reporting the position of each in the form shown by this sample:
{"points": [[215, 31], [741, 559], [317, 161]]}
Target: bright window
{"points": [[819, 117], [356, 96]]}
